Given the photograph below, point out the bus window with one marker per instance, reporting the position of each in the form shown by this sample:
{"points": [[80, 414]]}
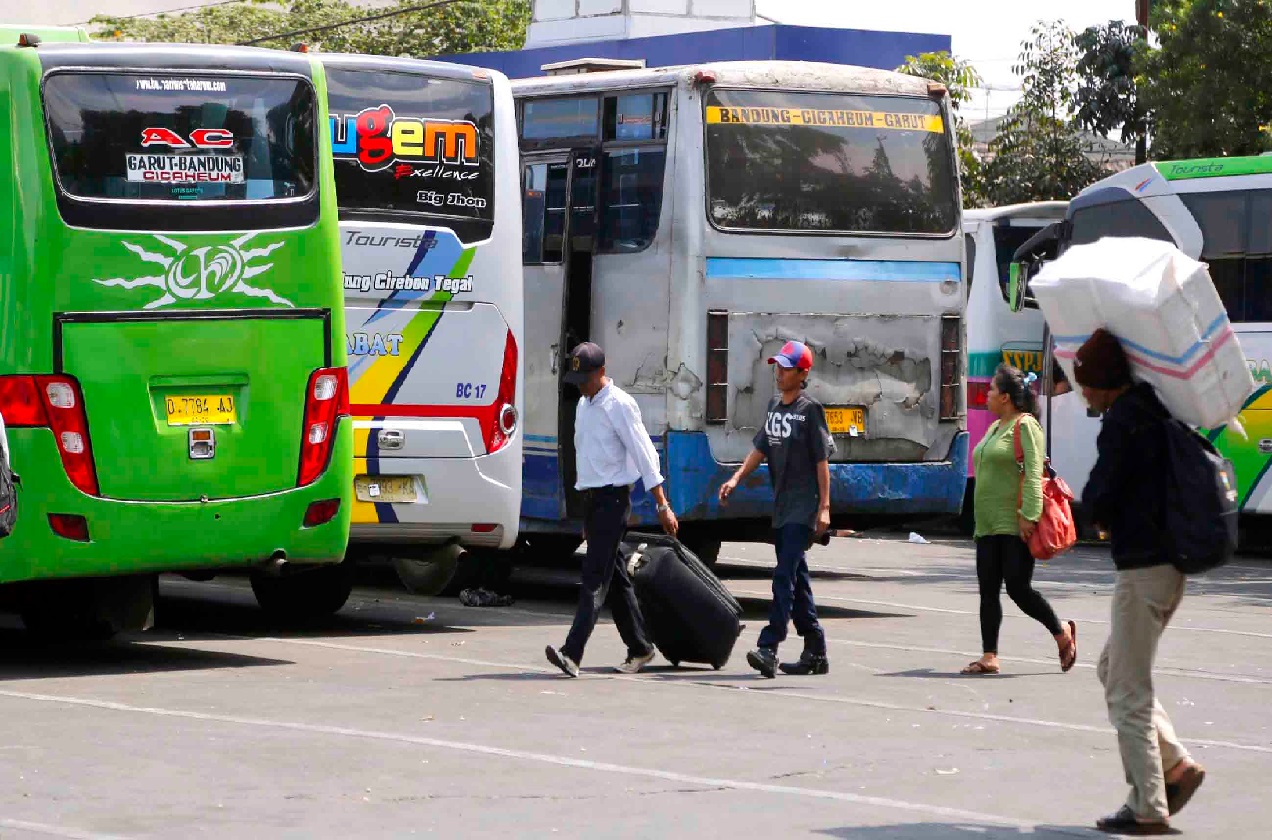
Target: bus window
{"points": [[1117, 218], [426, 147], [636, 116], [139, 137], [543, 212], [631, 196], [559, 119], [787, 161], [1006, 240], [1236, 245]]}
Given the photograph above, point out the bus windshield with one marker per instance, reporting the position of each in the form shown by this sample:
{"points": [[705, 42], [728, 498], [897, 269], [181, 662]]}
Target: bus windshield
{"points": [[155, 136], [783, 161], [408, 144]]}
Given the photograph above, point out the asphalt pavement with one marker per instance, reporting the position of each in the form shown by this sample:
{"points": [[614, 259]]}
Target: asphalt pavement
{"points": [[407, 716]]}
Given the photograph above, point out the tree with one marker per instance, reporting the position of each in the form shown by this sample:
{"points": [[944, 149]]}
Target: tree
{"points": [[1106, 94], [1037, 154], [960, 79], [461, 27], [1208, 86]]}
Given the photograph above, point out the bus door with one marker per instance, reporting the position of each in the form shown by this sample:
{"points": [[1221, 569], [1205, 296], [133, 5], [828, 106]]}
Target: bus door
{"points": [[560, 194]]}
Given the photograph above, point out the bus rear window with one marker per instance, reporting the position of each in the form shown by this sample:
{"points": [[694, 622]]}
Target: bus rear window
{"points": [[785, 161], [409, 144], [161, 137]]}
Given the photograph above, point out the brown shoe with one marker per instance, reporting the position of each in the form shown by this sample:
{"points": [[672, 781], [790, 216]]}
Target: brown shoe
{"points": [[1182, 789]]}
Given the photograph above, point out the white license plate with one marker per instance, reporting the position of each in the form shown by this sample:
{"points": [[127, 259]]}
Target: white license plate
{"points": [[392, 489]]}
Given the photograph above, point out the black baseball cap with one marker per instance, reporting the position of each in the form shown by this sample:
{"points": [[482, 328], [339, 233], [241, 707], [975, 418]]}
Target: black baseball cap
{"points": [[584, 359]]}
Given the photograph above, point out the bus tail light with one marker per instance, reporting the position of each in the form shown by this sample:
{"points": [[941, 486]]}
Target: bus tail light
{"points": [[717, 366], [951, 366], [69, 526], [978, 395], [320, 513], [55, 403], [326, 401], [499, 426]]}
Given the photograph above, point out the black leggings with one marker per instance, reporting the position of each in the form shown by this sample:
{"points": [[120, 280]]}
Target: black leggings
{"points": [[999, 558]]}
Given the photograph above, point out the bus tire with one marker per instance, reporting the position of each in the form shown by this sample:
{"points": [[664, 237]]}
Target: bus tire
{"points": [[432, 570], [89, 609], [304, 596], [706, 547], [967, 517]]}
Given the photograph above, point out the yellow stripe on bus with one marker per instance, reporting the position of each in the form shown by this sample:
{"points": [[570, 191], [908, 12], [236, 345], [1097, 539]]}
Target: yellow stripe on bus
{"points": [[719, 115]]}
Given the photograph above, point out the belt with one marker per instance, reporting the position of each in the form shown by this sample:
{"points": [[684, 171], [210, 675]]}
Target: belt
{"points": [[609, 490]]}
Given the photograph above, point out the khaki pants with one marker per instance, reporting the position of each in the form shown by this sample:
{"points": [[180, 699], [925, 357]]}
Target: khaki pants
{"points": [[1143, 602]]}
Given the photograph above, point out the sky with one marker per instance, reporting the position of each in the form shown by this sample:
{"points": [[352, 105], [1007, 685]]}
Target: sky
{"points": [[987, 32]]}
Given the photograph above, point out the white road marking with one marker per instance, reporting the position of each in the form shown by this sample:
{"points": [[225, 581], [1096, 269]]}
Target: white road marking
{"points": [[541, 758], [55, 830], [661, 679]]}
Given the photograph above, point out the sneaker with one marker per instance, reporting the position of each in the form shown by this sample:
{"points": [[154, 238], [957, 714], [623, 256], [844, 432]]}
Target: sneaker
{"points": [[763, 660], [634, 664], [559, 659], [809, 663]]}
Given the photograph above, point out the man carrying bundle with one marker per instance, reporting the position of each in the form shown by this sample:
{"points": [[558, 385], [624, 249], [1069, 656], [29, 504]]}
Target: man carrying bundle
{"points": [[1126, 498]]}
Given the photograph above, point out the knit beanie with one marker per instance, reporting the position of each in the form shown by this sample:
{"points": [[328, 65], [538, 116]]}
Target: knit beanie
{"points": [[1101, 362]]}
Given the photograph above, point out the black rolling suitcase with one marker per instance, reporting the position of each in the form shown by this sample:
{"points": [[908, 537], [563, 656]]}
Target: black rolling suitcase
{"points": [[689, 614]]}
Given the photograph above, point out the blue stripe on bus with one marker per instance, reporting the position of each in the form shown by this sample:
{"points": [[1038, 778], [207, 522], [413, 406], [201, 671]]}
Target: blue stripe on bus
{"points": [[747, 268], [1164, 357]]}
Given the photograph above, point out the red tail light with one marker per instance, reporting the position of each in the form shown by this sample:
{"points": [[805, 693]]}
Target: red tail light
{"points": [[951, 366], [484, 528], [499, 425], [320, 513], [70, 526], [54, 402], [978, 395], [326, 401]]}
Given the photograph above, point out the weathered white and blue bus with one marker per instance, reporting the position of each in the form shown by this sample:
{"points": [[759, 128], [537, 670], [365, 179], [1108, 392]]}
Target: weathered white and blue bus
{"points": [[691, 220]]}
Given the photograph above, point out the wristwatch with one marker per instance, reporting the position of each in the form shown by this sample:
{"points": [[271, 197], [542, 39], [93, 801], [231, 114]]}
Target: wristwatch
{"points": [[661, 508]]}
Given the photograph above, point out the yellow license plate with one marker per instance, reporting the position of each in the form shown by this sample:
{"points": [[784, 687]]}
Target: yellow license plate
{"points": [[846, 421], [394, 489], [201, 409]]}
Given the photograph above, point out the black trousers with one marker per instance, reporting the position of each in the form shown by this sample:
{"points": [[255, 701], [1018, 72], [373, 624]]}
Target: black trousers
{"points": [[999, 558], [605, 517]]}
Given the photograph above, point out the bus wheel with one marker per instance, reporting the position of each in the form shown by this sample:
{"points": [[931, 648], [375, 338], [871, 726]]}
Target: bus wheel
{"points": [[430, 570], [304, 596], [89, 609], [967, 518], [706, 547]]}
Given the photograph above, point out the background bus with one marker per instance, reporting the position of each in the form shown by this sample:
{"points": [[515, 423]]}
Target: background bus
{"points": [[1218, 211], [426, 156], [995, 334], [173, 388], [690, 220]]}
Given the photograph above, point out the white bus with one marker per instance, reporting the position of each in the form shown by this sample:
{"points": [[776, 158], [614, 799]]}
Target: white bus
{"points": [[430, 223], [995, 334], [690, 220], [1218, 211]]}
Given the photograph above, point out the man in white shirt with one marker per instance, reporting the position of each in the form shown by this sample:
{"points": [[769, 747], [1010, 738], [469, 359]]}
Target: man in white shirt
{"points": [[612, 450]]}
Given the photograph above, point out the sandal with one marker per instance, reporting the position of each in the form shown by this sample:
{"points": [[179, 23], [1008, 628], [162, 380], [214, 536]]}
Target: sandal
{"points": [[1069, 656], [979, 667]]}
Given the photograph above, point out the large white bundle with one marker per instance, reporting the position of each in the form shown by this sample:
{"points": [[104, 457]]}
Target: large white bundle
{"points": [[1163, 306]]}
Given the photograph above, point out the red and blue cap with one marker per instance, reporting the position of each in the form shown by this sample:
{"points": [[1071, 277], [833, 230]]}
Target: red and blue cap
{"points": [[794, 354]]}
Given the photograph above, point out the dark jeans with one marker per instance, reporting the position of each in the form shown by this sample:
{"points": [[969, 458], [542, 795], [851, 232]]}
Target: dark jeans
{"points": [[793, 592], [1003, 557], [605, 518]]}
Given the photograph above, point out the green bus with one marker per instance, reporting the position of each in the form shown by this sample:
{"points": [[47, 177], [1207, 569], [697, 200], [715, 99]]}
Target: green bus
{"points": [[172, 363]]}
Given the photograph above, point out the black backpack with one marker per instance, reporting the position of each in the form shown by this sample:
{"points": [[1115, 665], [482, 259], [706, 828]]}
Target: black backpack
{"points": [[8, 497], [1201, 501]]}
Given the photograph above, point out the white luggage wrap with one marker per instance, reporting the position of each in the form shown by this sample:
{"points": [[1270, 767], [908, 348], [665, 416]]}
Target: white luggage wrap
{"points": [[1163, 307]]}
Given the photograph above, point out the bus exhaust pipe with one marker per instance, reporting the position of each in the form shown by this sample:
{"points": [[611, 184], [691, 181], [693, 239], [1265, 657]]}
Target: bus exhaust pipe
{"points": [[276, 564]]}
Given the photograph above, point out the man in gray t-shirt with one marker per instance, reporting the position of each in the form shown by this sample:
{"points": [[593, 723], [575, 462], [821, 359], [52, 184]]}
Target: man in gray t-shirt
{"points": [[797, 445]]}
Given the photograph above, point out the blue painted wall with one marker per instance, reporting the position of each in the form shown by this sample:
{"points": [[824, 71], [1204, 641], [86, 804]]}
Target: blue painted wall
{"points": [[883, 50]]}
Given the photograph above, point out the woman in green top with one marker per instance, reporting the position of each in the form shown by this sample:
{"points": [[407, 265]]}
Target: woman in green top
{"points": [[1008, 505]]}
